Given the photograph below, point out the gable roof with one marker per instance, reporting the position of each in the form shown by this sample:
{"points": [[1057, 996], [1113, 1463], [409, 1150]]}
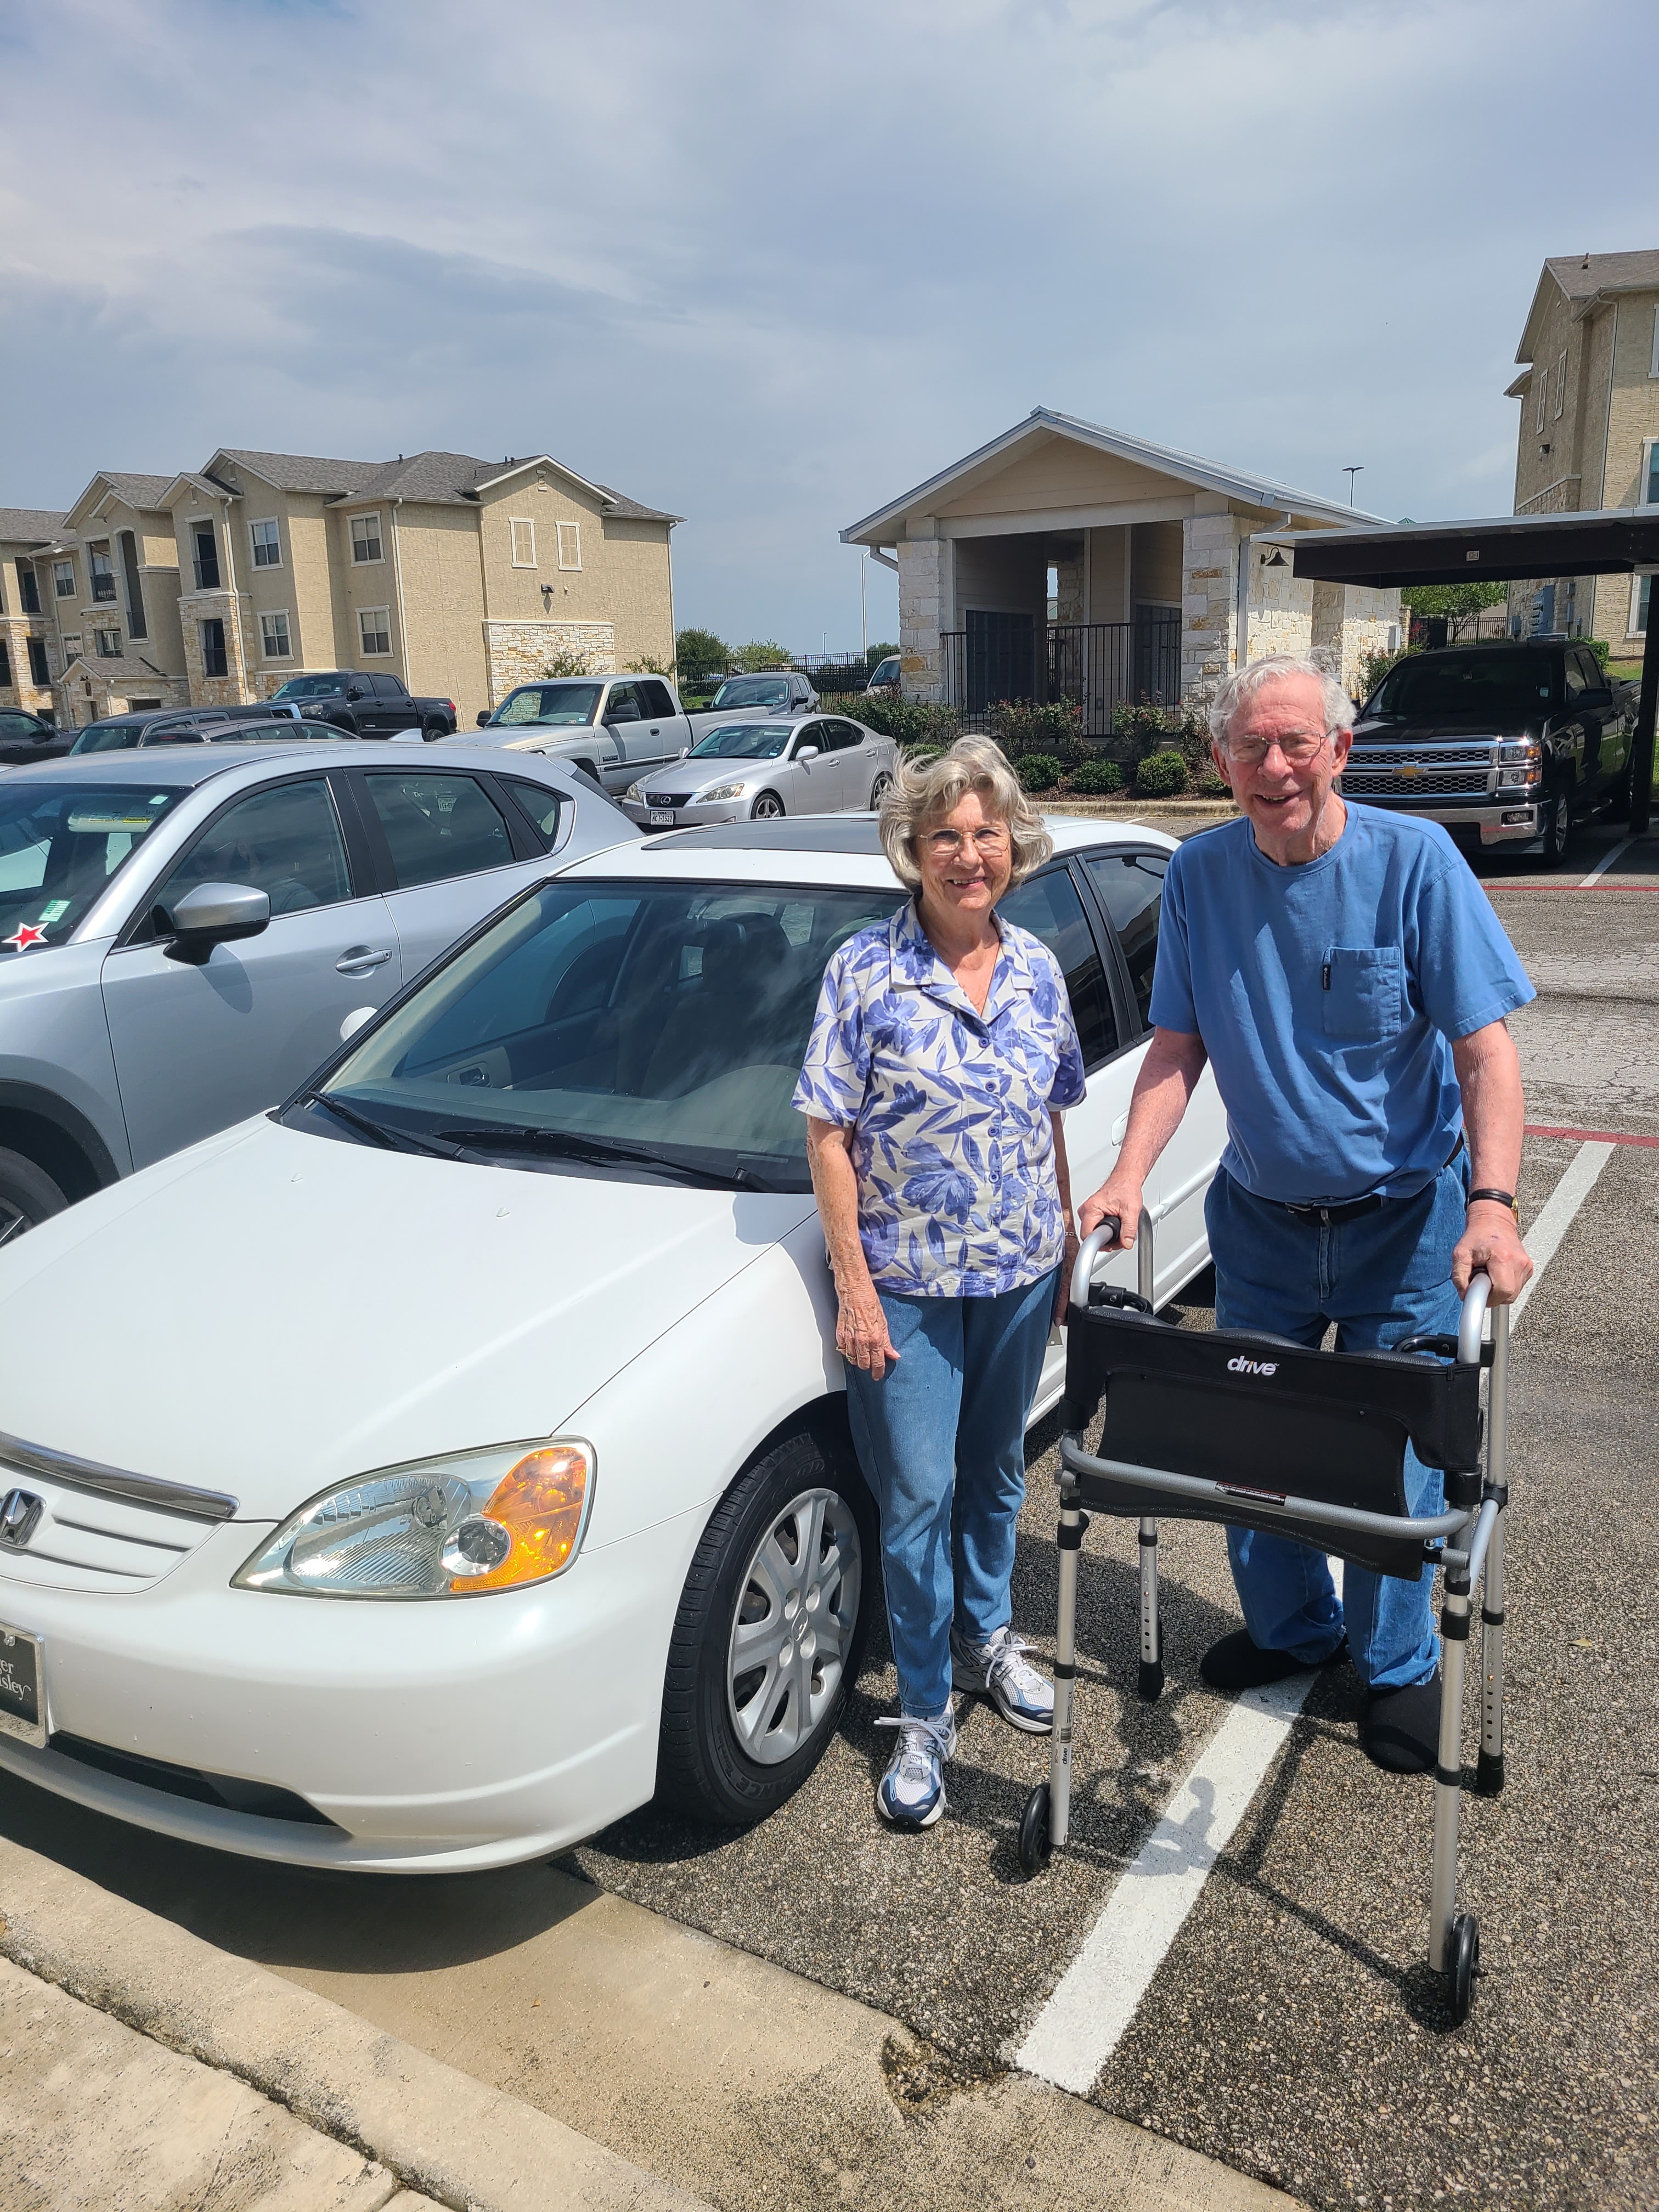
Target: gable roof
{"points": [[432, 478], [126, 668], [1190, 468], [1585, 279], [29, 525]]}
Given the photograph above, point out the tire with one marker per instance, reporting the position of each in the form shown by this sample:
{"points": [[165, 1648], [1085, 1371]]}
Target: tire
{"points": [[1558, 832], [879, 790], [769, 807], [1036, 1843], [432, 732], [28, 1196], [731, 1751], [1462, 1964]]}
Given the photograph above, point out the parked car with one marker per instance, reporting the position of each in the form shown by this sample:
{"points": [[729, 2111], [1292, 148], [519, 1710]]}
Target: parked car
{"points": [[821, 765], [364, 706], [884, 675], [206, 726], [774, 691], [610, 726], [25, 736], [468, 1459], [1508, 743], [113, 734], [183, 931]]}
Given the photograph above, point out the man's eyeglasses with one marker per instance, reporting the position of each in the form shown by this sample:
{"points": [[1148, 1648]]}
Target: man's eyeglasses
{"points": [[990, 842], [1299, 748]]}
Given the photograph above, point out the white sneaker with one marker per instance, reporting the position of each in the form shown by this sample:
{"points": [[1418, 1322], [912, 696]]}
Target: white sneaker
{"points": [[1000, 1671], [911, 1794]]}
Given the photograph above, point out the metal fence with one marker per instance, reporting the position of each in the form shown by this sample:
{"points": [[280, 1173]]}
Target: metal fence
{"points": [[1095, 666]]}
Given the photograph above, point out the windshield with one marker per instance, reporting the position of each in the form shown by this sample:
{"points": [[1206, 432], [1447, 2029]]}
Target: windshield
{"points": [[753, 691], [743, 741], [566, 703], [1462, 685], [60, 843], [672, 1017], [309, 687], [108, 737]]}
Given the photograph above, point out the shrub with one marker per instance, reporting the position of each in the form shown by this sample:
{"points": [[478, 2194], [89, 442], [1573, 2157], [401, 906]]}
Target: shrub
{"points": [[1601, 648], [1161, 775], [1096, 777], [1146, 727], [569, 663], [645, 666], [1038, 771], [1373, 666], [1023, 728], [907, 721]]}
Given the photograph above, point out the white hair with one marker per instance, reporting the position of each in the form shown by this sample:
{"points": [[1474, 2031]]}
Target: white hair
{"points": [[1243, 689], [925, 792]]}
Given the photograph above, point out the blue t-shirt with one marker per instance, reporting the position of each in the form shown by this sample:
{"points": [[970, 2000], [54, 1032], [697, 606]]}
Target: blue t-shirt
{"points": [[1325, 995]]}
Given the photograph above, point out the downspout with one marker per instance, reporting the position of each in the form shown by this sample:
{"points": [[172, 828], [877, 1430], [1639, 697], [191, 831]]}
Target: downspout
{"points": [[483, 626], [398, 587], [230, 570]]}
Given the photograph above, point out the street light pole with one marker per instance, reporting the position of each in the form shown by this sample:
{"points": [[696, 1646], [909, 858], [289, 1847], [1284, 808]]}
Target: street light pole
{"points": [[864, 603], [1350, 473]]}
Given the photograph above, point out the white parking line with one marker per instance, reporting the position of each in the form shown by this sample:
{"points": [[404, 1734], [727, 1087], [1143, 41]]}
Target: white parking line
{"points": [[1081, 2025], [1606, 862]]}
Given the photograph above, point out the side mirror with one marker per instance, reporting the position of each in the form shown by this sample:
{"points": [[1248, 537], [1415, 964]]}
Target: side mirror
{"points": [[214, 914], [807, 752], [1600, 697], [484, 721], [354, 691], [684, 753]]}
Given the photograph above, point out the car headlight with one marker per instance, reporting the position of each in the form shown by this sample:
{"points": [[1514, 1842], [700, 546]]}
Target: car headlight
{"points": [[636, 792], [455, 1527], [718, 791]]}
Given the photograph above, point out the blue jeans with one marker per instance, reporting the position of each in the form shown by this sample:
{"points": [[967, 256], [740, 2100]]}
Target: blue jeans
{"points": [[1381, 1278], [941, 1439]]}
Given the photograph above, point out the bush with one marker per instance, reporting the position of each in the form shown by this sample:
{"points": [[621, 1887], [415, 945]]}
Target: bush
{"points": [[1161, 775], [1097, 777], [1038, 771], [1373, 666], [907, 721], [1024, 729], [1601, 648], [569, 663], [701, 653]]}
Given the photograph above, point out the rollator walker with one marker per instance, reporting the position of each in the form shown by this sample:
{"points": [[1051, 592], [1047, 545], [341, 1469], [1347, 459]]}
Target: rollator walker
{"points": [[1257, 1433]]}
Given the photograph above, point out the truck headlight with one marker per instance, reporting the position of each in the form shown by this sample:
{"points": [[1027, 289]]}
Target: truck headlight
{"points": [[718, 791], [1527, 754], [455, 1527], [1508, 778]]}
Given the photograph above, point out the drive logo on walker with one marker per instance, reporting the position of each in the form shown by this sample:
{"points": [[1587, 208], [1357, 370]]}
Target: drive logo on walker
{"points": [[1252, 1367]]}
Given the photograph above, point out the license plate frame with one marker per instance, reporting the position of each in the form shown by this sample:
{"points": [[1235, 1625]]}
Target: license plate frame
{"points": [[662, 817], [22, 1687]]}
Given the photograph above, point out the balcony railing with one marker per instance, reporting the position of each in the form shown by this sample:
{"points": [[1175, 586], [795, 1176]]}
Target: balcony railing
{"points": [[103, 590], [1095, 666], [206, 568]]}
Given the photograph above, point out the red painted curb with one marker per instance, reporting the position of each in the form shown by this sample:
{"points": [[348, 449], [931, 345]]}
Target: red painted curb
{"points": [[1593, 1136]]}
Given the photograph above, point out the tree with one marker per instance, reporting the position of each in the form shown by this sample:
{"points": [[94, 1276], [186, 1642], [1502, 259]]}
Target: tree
{"points": [[1457, 603], [762, 652], [875, 655], [699, 653]]}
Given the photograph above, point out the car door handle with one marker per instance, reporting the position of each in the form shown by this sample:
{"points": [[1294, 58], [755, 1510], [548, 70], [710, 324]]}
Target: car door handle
{"points": [[358, 959]]}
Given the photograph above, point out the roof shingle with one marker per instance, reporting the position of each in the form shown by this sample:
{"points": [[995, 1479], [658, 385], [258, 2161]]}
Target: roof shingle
{"points": [[29, 525]]}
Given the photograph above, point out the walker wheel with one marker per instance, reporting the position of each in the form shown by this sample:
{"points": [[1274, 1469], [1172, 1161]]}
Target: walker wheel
{"points": [[1037, 1842], [1462, 1965]]}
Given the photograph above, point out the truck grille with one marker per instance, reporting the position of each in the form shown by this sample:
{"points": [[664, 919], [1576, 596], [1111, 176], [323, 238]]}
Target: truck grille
{"points": [[1435, 782]]}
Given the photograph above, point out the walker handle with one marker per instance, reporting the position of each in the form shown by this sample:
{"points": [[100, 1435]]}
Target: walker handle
{"points": [[1472, 1326], [1102, 1238]]}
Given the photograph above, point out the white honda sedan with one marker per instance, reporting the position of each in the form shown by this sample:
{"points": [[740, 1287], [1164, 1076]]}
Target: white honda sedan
{"points": [[424, 1474]]}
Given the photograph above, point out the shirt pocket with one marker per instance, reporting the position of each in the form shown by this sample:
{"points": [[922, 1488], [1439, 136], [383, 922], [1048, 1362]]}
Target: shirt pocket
{"points": [[1362, 990]]}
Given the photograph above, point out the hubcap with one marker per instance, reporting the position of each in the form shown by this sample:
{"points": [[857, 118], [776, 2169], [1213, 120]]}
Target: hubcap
{"points": [[796, 1611], [766, 810]]}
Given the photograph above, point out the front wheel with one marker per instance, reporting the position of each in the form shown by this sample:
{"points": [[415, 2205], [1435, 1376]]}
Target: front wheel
{"points": [[1558, 832], [768, 1634], [769, 807], [29, 1195], [878, 791]]}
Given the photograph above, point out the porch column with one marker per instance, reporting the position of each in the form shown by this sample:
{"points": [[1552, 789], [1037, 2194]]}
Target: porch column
{"points": [[925, 610], [1209, 572]]}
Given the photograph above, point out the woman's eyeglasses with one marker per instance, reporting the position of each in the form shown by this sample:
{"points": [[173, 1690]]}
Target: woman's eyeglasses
{"points": [[1299, 748], [989, 842]]}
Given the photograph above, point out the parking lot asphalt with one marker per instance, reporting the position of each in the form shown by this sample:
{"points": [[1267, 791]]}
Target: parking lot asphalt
{"points": [[1291, 2030]]}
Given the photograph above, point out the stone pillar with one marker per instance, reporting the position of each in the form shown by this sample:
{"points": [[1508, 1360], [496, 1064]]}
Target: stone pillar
{"points": [[1209, 571], [926, 609]]}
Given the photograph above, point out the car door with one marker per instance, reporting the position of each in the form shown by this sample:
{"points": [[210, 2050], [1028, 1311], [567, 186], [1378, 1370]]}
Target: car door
{"points": [[864, 761], [658, 736], [811, 786], [198, 1046], [25, 737], [448, 853], [1128, 883]]}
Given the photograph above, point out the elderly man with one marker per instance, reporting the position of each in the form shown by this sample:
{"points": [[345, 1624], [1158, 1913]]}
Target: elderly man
{"points": [[1345, 975]]}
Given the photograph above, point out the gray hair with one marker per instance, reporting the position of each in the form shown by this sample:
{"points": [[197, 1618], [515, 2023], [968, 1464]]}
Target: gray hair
{"points": [[1241, 690], [925, 792]]}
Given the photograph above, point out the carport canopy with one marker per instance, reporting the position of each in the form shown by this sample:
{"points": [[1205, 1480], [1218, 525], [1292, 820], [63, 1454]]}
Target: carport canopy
{"points": [[1506, 548]]}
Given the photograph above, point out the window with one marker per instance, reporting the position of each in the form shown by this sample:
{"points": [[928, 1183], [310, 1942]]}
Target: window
{"points": [[108, 644], [28, 588], [1641, 591], [387, 687], [63, 579], [1130, 886], [1653, 359], [524, 543], [273, 637], [284, 841], [1541, 384], [623, 705], [61, 843], [137, 626], [539, 805], [213, 648], [1561, 385], [40, 670], [204, 557], [438, 826], [102, 571], [570, 545], [366, 539], [1650, 474], [5, 664], [659, 699], [1049, 906], [267, 546], [375, 628]]}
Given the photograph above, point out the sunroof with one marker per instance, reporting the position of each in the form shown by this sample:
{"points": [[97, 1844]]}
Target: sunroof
{"points": [[809, 833]]}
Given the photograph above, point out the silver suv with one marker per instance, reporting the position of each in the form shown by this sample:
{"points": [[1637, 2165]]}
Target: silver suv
{"points": [[184, 935]]}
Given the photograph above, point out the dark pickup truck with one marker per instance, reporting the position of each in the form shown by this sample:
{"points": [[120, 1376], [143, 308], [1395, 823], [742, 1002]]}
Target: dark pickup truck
{"points": [[364, 706], [1510, 745]]}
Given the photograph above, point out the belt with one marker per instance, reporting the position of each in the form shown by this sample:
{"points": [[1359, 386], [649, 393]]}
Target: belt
{"points": [[1353, 1208]]}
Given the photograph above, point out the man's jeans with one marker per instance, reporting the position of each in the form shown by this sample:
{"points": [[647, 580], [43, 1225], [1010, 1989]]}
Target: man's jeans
{"points": [[941, 1439], [1383, 1277]]}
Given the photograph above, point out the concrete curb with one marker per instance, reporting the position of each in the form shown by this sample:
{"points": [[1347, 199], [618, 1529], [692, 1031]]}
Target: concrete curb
{"points": [[453, 2139]]}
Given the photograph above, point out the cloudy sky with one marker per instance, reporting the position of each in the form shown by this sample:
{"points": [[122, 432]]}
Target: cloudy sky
{"points": [[768, 265]]}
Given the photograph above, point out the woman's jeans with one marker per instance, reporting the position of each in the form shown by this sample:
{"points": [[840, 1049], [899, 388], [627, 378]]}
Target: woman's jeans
{"points": [[1380, 1278], [941, 1439]]}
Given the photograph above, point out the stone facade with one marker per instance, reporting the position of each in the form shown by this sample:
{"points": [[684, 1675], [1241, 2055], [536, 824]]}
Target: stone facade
{"points": [[519, 652], [924, 591]]}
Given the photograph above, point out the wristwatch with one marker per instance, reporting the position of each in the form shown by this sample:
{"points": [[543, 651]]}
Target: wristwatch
{"points": [[1498, 1198]]}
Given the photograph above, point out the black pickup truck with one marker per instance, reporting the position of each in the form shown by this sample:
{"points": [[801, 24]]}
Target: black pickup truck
{"points": [[364, 706], [1510, 745]]}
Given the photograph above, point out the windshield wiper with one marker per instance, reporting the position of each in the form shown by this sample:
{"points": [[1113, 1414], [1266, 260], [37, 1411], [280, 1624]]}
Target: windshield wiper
{"points": [[390, 1140], [600, 1152]]}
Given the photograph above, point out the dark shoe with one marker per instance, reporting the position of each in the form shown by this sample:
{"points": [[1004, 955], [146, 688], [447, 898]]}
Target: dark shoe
{"points": [[1400, 1730], [1236, 1663]]}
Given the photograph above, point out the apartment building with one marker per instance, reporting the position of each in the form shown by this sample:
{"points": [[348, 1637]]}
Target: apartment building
{"points": [[27, 667], [1589, 435], [216, 586]]}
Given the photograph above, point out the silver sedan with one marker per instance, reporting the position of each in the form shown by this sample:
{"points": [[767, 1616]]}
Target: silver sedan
{"points": [[756, 771]]}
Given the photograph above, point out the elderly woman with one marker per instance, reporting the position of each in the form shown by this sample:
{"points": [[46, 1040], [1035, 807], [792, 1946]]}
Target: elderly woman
{"points": [[941, 1057]]}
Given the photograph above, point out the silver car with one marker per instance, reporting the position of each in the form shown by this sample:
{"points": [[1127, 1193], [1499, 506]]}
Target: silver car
{"points": [[185, 933], [756, 771]]}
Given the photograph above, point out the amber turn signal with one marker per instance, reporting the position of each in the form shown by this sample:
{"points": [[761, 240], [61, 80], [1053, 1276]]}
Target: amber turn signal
{"points": [[540, 1502]]}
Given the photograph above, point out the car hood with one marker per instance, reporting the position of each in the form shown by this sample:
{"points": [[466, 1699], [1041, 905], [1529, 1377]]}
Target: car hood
{"points": [[693, 775], [273, 1311], [1443, 729]]}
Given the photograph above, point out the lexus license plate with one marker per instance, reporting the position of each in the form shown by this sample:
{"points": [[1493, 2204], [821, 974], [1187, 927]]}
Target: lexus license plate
{"points": [[23, 1694], [662, 817]]}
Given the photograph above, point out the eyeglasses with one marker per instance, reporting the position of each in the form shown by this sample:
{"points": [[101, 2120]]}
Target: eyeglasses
{"points": [[1299, 747], [988, 843]]}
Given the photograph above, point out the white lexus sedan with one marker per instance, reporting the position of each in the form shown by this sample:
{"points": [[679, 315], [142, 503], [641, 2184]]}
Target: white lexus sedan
{"points": [[424, 1474]]}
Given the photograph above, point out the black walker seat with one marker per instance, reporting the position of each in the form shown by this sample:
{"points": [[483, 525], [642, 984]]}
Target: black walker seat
{"points": [[1257, 1433]]}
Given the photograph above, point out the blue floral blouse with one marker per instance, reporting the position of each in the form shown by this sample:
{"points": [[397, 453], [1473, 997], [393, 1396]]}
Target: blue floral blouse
{"points": [[952, 1145]]}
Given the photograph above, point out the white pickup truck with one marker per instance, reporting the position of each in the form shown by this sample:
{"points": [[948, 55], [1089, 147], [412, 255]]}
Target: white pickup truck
{"points": [[618, 728]]}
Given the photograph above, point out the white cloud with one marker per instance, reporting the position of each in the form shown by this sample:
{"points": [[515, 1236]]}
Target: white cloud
{"points": [[769, 266]]}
